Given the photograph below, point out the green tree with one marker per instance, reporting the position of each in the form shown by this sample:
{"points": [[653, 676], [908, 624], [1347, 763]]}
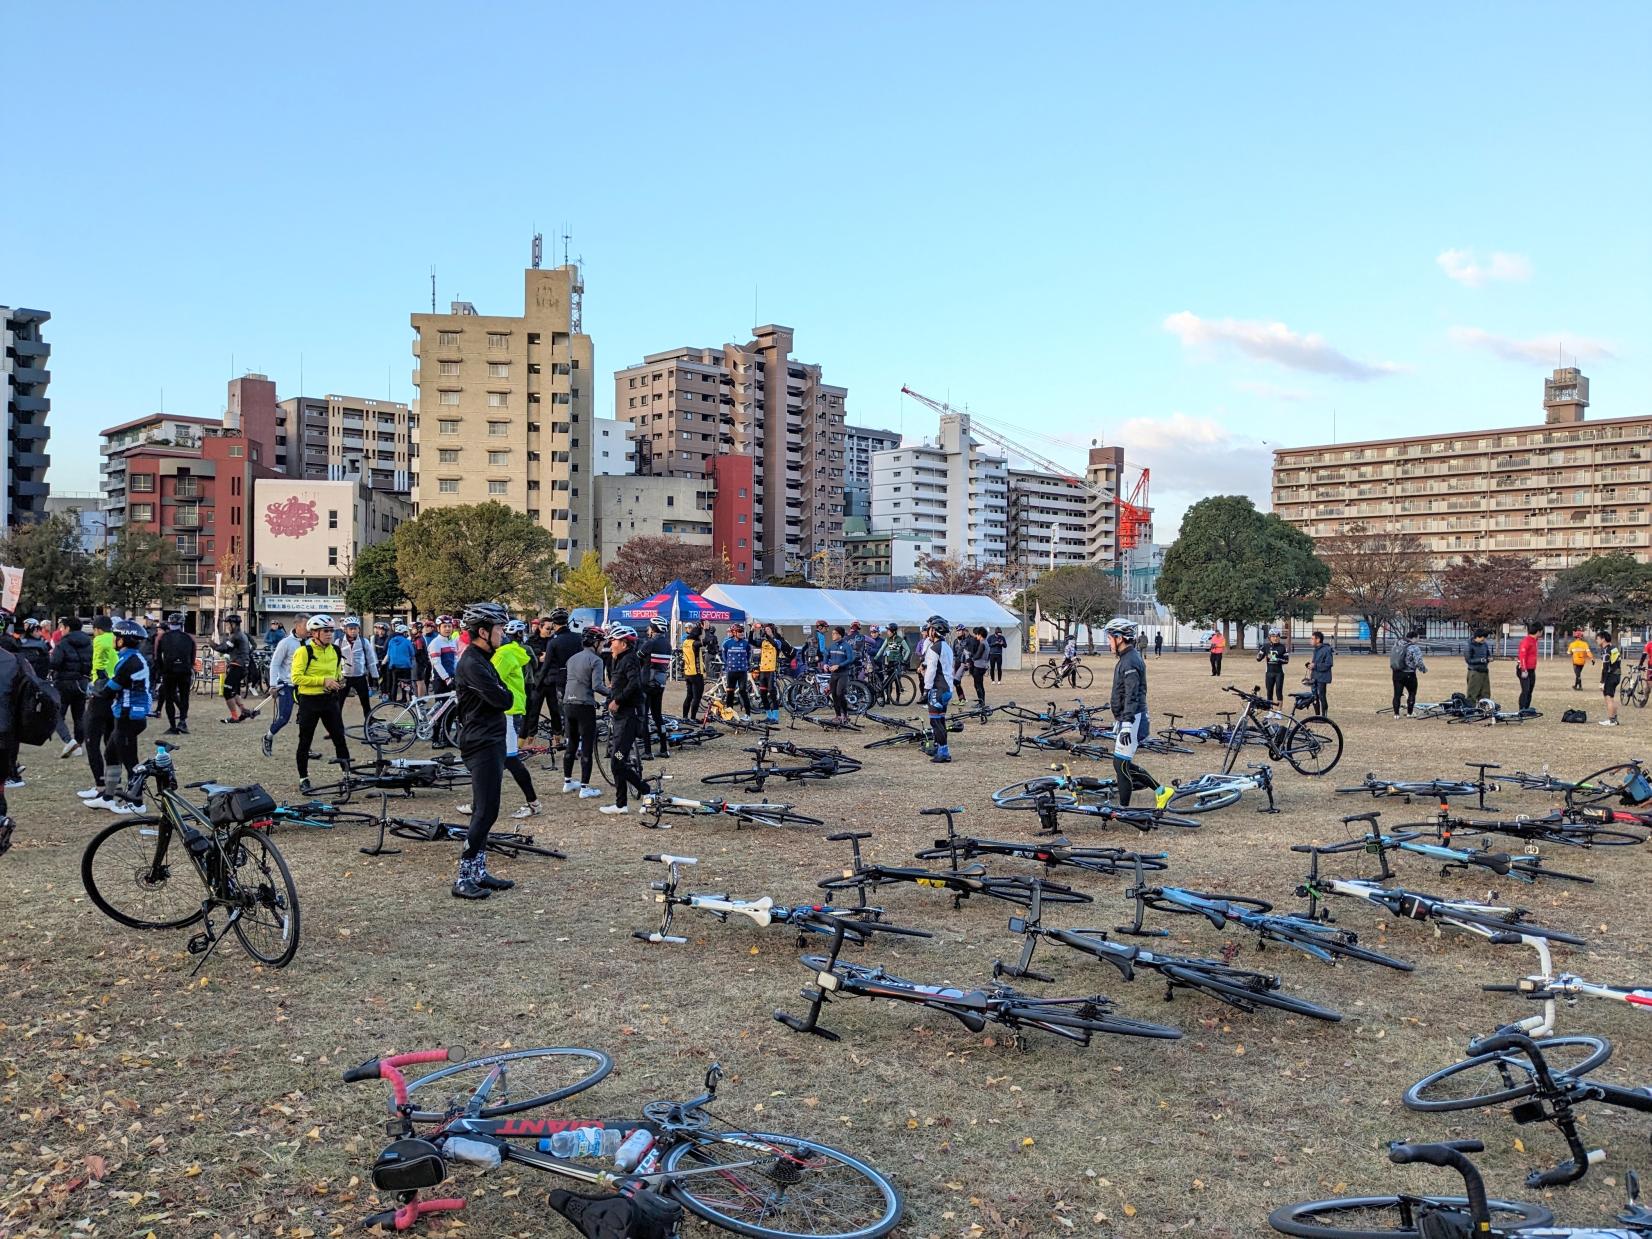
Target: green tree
{"points": [[1604, 592], [374, 585], [586, 584], [141, 572], [1231, 564], [449, 557], [1077, 595], [57, 574]]}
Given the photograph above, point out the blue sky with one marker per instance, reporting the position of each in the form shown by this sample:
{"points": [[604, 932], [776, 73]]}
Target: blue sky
{"points": [[1200, 232]]}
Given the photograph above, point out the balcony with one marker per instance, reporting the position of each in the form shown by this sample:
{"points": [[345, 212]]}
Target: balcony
{"points": [[29, 376], [186, 518], [36, 350], [187, 488]]}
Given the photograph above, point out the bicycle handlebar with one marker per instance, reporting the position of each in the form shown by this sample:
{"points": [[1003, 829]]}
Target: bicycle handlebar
{"points": [[389, 1069], [1450, 1154]]}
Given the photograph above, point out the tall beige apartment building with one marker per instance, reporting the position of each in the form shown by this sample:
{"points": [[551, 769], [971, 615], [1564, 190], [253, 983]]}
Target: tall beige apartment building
{"points": [[505, 412], [335, 437], [1553, 494], [689, 405]]}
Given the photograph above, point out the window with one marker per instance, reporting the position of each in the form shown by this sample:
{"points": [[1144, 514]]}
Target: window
{"points": [[143, 511], [447, 426], [449, 398], [332, 518], [499, 460], [332, 556], [496, 487], [497, 399], [498, 430], [237, 450], [449, 368], [447, 486], [499, 369], [447, 456], [742, 542], [447, 339], [670, 500], [143, 483], [499, 340]]}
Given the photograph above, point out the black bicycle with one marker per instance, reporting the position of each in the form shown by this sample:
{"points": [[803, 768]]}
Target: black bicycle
{"points": [[1583, 828], [1621, 786], [962, 882], [1052, 854], [814, 765], [506, 843], [1480, 860], [1439, 790], [1311, 744], [1050, 808], [131, 869]]}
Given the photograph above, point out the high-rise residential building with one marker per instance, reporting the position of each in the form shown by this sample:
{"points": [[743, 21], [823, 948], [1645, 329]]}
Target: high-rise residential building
{"points": [[87, 510], [1552, 494], [613, 451], [162, 435], [949, 491], [859, 443], [1103, 538], [25, 403], [505, 409], [689, 406], [335, 438], [1049, 520]]}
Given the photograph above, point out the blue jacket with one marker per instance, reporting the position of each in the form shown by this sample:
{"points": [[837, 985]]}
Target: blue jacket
{"points": [[736, 654], [129, 685], [398, 652], [839, 654]]}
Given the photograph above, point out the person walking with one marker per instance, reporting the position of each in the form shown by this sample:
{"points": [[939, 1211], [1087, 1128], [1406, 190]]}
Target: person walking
{"points": [[175, 655], [1478, 659], [585, 682], [483, 701], [281, 684], [1131, 721], [1525, 664], [1582, 656], [736, 667], [996, 645], [1217, 645], [627, 700], [130, 702], [1405, 664], [319, 688], [1611, 673], [1158, 643], [937, 681], [1274, 656], [71, 664], [1319, 673], [694, 673], [361, 664], [237, 650]]}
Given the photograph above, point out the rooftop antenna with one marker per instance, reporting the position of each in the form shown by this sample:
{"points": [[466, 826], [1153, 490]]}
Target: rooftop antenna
{"points": [[538, 249], [567, 236], [432, 290]]}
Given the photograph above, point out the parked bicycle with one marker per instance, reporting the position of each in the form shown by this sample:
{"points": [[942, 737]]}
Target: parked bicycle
{"points": [[1311, 744], [658, 806], [961, 882], [393, 726], [1056, 671]]}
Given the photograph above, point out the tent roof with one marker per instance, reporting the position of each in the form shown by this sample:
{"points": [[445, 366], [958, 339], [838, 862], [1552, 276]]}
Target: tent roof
{"points": [[797, 607], [691, 606]]}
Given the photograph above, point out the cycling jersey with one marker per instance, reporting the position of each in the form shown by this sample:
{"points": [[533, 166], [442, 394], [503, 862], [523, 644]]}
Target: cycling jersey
{"points": [[736, 654], [510, 660]]}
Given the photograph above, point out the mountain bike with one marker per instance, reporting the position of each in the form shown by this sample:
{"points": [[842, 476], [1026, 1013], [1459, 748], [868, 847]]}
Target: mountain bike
{"points": [[1444, 1217], [130, 869], [1622, 786], [860, 924], [1076, 1019], [760, 813], [1055, 671], [393, 726], [1510, 1066], [1239, 988], [962, 882], [748, 1182], [1311, 744], [1052, 854], [1209, 792], [1374, 843], [1433, 789]]}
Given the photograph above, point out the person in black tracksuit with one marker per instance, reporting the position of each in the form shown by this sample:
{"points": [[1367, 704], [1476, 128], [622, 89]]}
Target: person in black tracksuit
{"points": [[1275, 655], [1131, 724], [175, 668], [533, 675], [655, 655], [627, 701], [1319, 674], [482, 699], [72, 673], [564, 643]]}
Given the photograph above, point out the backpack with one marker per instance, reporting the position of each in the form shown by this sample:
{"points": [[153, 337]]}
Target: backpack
{"points": [[1574, 716], [1396, 656], [34, 707]]}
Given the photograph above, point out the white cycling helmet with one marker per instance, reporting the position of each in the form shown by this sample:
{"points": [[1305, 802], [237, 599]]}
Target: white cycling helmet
{"points": [[515, 628], [352, 621], [622, 632], [1122, 628], [319, 621]]}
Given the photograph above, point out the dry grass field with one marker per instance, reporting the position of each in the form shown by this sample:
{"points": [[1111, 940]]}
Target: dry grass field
{"points": [[135, 1100]]}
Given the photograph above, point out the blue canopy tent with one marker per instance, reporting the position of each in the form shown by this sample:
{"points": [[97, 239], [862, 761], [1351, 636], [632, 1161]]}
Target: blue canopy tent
{"points": [[690, 606]]}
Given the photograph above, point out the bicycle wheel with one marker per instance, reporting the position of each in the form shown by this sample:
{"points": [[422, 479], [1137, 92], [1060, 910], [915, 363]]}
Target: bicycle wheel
{"points": [[1626, 690], [139, 873], [1313, 746], [1231, 989], [1018, 890], [1081, 677], [903, 689], [753, 779], [1643, 690], [260, 885], [1197, 800], [527, 1078], [1044, 676], [1492, 1079], [1027, 793], [1615, 786], [391, 727], [780, 816], [799, 1188], [513, 844], [1391, 1217]]}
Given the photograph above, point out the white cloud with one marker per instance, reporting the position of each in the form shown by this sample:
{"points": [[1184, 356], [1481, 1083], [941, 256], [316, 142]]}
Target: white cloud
{"points": [[1464, 267], [1274, 342], [1538, 351], [1192, 458], [1272, 391]]}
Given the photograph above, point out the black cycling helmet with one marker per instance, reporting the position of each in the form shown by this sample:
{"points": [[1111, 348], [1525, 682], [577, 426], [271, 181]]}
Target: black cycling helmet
{"points": [[176, 619], [940, 626], [480, 615], [232, 618], [658, 625], [559, 615]]}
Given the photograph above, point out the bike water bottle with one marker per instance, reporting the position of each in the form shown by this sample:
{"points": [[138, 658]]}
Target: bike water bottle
{"points": [[583, 1142], [634, 1149]]}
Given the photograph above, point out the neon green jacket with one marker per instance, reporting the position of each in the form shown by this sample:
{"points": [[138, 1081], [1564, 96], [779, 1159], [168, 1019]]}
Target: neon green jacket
{"points": [[509, 660]]}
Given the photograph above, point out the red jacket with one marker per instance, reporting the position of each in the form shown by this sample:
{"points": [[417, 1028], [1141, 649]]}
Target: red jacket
{"points": [[1526, 656]]}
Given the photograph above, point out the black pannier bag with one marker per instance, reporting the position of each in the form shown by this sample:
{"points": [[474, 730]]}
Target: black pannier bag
{"points": [[239, 805]]}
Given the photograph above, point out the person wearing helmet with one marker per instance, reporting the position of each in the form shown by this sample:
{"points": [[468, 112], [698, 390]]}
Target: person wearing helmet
{"points": [[100, 719], [565, 642], [32, 649], [444, 655], [361, 663], [1275, 656], [175, 655], [1131, 724], [398, 663], [627, 703], [511, 660], [655, 654], [694, 672], [737, 667], [319, 688], [281, 684], [585, 681], [129, 703], [938, 671], [772, 651], [1582, 655], [423, 632], [896, 652], [237, 650], [484, 700]]}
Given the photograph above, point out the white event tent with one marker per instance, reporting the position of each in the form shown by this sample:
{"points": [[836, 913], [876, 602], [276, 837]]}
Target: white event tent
{"points": [[795, 610]]}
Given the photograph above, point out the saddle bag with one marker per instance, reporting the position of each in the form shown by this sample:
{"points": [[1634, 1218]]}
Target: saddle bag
{"points": [[239, 805], [409, 1166]]}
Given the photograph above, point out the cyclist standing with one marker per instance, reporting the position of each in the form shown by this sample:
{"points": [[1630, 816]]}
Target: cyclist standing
{"points": [[1478, 659], [736, 666], [1525, 665], [398, 663], [1069, 663], [839, 660], [937, 682], [1275, 655], [1130, 719], [11, 668], [444, 655], [627, 700], [1319, 673], [71, 669], [281, 683], [1582, 655], [1611, 672], [584, 684], [482, 704], [694, 673], [318, 687], [996, 645], [237, 649], [100, 719], [175, 668], [655, 656], [511, 660], [128, 687], [539, 640], [564, 644], [769, 648], [361, 664], [896, 653]]}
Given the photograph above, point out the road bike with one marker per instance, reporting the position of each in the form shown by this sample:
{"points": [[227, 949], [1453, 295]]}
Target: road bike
{"points": [[812, 691], [1544, 782], [1209, 792], [1510, 1066], [1444, 1217], [1433, 789], [131, 869], [1374, 843], [1584, 828], [1076, 1019], [962, 882], [393, 726], [817, 764], [1064, 787], [910, 731], [1050, 808], [1072, 673], [1311, 744], [892, 685], [748, 1182], [659, 806], [1053, 854], [1622, 786], [1216, 733], [1239, 988], [507, 843], [402, 775], [1056, 742], [318, 815], [1636, 685], [860, 924]]}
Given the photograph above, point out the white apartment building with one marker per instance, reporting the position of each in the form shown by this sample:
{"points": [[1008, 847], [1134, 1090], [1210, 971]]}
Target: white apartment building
{"points": [[948, 491], [613, 452]]}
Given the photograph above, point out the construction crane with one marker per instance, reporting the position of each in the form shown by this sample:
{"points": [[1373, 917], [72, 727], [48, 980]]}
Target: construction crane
{"points": [[1135, 516]]}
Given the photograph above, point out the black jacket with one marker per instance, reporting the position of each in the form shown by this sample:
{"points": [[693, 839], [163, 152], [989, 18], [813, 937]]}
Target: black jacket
{"points": [[625, 683], [1478, 655], [563, 645], [9, 671], [1275, 655], [37, 654], [175, 653], [482, 702], [72, 660], [1129, 685], [1320, 670]]}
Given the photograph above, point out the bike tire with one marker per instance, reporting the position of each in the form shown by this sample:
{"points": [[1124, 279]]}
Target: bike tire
{"points": [[1313, 746], [738, 778], [1044, 676], [1643, 690], [391, 727], [1115, 1025], [1470, 1084], [1081, 677], [550, 1065], [746, 1200], [1015, 890], [1626, 690], [783, 817], [130, 859], [1242, 996], [1390, 1217], [1607, 787], [858, 697], [1195, 800], [903, 689], [269, 925]]}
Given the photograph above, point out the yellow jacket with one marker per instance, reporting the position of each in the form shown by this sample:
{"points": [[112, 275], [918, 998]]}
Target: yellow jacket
{"points": [[313, 666], [768, 656], [691, 656], [1580, 652]]}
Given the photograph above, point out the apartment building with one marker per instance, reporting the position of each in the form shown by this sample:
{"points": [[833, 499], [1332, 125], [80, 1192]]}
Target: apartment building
{"points": [[87, 510], [881, 561], [632, 506], [689, 406], [505, 409], [161, 434], [334, 438], [614, 452], [1049, 520], [949, 491], [859, 444], [23, 400], [1553, 494]]}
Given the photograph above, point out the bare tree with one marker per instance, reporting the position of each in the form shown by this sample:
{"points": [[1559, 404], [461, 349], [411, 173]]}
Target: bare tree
{"points": [[953, 574], [1377, 575]]}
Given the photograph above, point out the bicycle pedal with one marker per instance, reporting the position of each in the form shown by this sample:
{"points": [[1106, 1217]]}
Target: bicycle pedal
{"points": [[200, 944]]}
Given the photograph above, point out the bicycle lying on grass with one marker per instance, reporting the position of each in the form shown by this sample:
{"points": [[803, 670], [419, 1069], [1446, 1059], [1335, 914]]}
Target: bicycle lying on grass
{"points": [[1209, 792], [1311, 744], [131, 869], [964, 882], [1374, 843], [1432, 789], [1546, 987], [1581, 828], [1052, 854], [859, 924], [674, 1156], [1622, 786], [1239, 988], [1049, 806], [507, 843], [818, 764], [910, 731], [405, 775], [658, 806], [1064, 787]]}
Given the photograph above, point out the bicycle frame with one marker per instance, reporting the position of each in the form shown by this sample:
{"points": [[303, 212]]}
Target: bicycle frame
{"points": [[1547, 987], [1525, 869], [1261, 780]]}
